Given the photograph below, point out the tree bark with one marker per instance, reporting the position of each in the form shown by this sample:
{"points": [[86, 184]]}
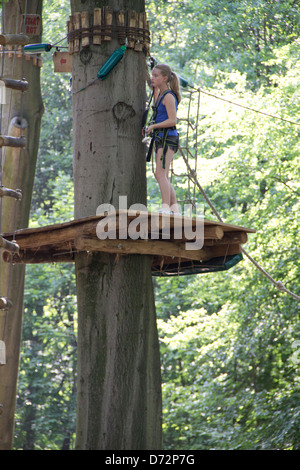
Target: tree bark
{"points": [[119, 386], [20, 116]]}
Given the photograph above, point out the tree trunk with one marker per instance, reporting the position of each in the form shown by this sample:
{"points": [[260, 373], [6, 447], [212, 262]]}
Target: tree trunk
{"points": [[20, 116], [119, 387]]}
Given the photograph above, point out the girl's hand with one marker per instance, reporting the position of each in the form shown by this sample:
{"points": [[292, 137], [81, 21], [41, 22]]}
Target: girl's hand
{"points": [[149, 129]]}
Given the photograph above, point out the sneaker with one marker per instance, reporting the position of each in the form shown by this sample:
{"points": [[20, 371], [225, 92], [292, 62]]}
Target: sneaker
{"points": [[164, 211]]}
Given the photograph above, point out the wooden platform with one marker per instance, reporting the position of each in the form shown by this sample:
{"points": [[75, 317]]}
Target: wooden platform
{"points": [[166, 238]]}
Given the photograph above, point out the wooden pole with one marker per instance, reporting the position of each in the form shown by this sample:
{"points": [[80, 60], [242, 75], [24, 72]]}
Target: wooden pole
{"points": [[8, 141], [9, 246], [17, 194], [21, 85], [5, 303], [17, 173], [14, 39]]}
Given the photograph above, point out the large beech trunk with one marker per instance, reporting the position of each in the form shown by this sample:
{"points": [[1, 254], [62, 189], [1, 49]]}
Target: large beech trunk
{"points": [[119, 387], [20, 116]]}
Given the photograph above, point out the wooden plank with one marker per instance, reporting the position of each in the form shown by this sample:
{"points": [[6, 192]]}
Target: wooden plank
{"points": [[70, 29], [229, 238], [92, 221], [55, 238], [77, 26], [147, 36], [38, 257], [108, 16], [142, 247], [131, 22], [140, 23], [85, 42], [97, 26], [121, 24]]}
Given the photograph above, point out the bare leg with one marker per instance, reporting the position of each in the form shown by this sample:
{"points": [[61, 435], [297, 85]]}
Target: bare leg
{"points": [[168, 195]]}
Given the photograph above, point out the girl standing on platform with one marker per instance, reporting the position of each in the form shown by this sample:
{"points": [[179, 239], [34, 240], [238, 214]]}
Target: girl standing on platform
{"points": [[166, 136]]}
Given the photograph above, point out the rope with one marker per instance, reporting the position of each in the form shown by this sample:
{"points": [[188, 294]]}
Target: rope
{"points": [[112, 31], [248, 108], [278, 284]]}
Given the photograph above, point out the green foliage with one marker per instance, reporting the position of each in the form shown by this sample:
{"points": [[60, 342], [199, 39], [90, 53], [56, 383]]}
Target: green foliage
{"points": [[46, 403], [55, 150], [206, 37], [46, 394], [230, 373]]}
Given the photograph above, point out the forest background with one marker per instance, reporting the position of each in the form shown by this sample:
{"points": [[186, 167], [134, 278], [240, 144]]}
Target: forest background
{"points": [[229, 341]]}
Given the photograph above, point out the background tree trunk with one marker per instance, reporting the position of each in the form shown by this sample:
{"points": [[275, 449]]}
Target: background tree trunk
{"points": [[119, 386], [22, 114]]}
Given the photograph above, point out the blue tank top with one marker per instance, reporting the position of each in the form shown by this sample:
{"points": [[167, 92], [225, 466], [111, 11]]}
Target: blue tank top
{"points": [[162, 115]]}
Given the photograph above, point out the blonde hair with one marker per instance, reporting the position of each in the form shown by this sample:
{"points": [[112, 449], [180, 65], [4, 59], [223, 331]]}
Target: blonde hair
{"points": [[173, 80]]}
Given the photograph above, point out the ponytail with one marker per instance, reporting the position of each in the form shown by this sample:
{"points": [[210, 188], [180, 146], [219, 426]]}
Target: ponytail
{"points": [[173, 80], [175, 85]]}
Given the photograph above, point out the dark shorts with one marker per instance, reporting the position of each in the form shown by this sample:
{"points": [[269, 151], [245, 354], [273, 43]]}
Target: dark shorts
{"points": [[171, 138]]}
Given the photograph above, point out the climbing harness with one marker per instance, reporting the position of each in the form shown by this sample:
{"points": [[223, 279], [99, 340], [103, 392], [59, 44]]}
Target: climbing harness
{"points": [[164, 141]]}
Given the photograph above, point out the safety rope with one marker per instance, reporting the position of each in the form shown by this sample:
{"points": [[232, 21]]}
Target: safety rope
{"points": [[278, 284], [247, 107]]}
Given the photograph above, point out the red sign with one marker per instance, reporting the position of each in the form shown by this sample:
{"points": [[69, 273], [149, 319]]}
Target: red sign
{"points": [[32, 25]]}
